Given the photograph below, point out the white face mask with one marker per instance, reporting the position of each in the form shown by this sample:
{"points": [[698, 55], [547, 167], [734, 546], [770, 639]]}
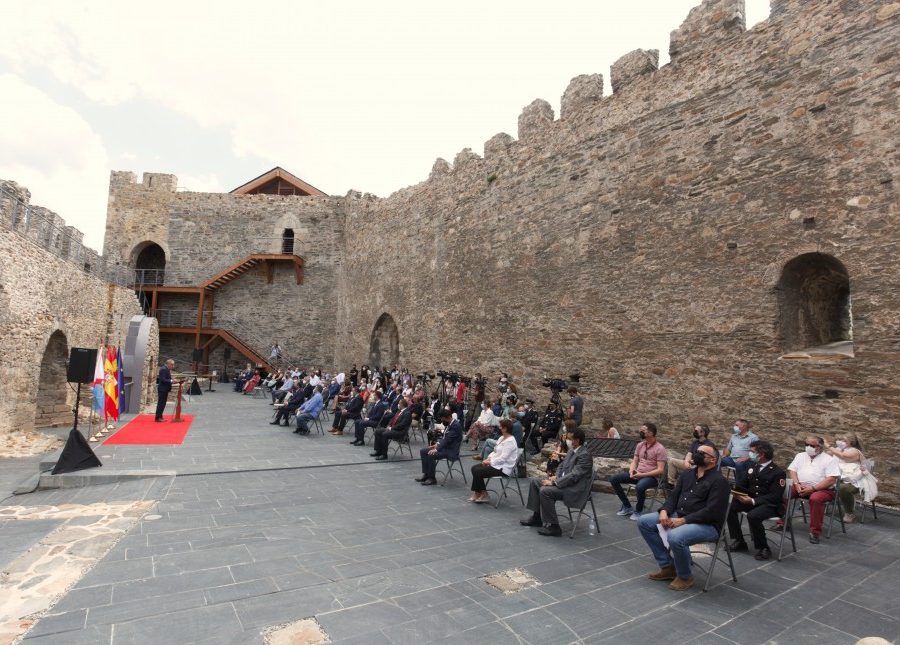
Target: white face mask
{"points": [[736, 430], [810, 451], [569, 444], [840, 444]]}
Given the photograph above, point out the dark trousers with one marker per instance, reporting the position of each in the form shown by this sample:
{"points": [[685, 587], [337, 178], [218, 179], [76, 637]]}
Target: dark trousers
{"points": [[430, 462], [545, 436], [383, 436], [542, 501], [755, 517], [642, 484], [284, 414], [341, 419], [359, 428], [481, 472], [161, 399]]}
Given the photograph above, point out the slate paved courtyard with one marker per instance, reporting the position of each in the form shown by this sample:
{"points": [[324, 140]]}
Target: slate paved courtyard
{"points": [[376, 558]]}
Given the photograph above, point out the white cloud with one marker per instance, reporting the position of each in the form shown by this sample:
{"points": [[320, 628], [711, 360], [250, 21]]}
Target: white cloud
{"points": [[347, 93], [54, 153]]}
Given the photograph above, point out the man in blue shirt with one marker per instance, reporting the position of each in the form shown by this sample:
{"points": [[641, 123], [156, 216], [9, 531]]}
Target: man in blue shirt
{"points": [[737, 452], [309, 411]]}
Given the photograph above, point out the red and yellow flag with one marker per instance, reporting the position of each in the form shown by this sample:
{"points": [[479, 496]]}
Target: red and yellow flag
{"points": [[111, 385]]}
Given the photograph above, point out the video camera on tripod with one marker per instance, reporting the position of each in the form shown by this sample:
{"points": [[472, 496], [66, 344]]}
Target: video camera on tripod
{"points": [[558, 384]]}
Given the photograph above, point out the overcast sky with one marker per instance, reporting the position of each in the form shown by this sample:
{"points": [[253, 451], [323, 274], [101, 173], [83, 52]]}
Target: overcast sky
{"points": [[345, 93]]}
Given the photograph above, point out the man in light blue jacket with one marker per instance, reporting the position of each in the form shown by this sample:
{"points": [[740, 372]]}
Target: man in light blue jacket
{"points": [[309, 411]]}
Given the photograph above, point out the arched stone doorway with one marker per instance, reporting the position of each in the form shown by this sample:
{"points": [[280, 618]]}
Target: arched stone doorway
{"points": [[150, 264], [384, 347], [813, 302], [52, 407]]}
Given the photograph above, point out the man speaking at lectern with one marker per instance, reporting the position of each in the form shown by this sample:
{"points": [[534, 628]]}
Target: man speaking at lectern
{"points": [[163, 387]]}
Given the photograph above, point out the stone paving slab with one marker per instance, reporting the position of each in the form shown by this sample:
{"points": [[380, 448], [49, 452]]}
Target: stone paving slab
{"points": [[376, 558]]}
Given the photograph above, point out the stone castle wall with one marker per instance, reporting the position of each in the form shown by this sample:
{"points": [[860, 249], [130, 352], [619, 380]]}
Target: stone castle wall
{"points": [[640, 238], [42, 293]]}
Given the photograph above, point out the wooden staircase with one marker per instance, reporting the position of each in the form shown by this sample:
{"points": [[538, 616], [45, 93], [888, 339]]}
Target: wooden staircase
{"points": [[248, 263]]}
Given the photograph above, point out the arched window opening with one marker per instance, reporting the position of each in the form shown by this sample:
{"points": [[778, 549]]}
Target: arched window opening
{"points": [[287, 242], [814, 313], [150, 265], [384, 347], [52, 407]]}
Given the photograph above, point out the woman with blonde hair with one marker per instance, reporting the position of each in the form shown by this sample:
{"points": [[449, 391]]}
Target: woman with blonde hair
{"points": [[855, 475]]}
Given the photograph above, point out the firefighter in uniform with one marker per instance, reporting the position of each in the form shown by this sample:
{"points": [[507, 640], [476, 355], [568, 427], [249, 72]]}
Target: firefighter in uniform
{"points": [[761, 500]]}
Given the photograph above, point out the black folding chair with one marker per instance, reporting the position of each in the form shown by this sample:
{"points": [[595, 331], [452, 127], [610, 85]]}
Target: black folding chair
{"points": [[715, 557], [450, 462], [588, 499], [507, 480]]}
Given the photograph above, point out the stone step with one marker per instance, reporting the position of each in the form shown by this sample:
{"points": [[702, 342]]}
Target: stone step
{"points": [[96, 476]]}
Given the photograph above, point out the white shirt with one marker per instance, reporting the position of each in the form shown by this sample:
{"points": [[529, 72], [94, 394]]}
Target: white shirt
{"points": [[315, 380], [811, 471], [488, 418], [505, 455], [340, 378]]}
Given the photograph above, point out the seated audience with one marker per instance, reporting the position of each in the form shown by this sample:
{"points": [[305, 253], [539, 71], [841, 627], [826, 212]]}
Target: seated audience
{"points": [[309, 411], [350, 412], [570, 484], [559, 454], [855, 475], [501, 462], [486, 424], [344, 393], [284, 410], [737, 452], [397, 429], [813, 474], [645, 471], [241, 379], [252, 382], [376, 412], [761, 500], [446, 448], [693, 513], [517, 434], [678, 464], [548, 430], [281, 391], [609, 431]]}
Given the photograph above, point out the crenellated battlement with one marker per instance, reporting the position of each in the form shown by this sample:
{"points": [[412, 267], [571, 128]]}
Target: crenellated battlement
{"points": [[707, 26]]}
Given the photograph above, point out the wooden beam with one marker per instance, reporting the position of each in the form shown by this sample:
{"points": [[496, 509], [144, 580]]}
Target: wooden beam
{"points": [[270, 271], [298, 271]]}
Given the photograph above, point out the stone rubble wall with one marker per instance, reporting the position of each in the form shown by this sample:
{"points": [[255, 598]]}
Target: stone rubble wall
{"points": [[39, 294]]}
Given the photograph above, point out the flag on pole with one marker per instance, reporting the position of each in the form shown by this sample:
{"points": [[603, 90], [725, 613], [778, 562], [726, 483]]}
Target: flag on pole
{"points": [[111, 385], [120, 380], [97, 385]]}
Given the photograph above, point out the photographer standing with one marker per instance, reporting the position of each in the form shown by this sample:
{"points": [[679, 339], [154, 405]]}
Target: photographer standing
{"points": [[576, 405]]}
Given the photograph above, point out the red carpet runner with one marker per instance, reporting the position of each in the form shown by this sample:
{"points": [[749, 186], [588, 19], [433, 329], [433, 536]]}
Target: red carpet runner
{"points": [[144, 431]]}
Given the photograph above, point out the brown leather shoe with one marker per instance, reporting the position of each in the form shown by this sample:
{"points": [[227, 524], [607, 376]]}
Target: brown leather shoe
{"points": [[664, 573], [682, 584]]}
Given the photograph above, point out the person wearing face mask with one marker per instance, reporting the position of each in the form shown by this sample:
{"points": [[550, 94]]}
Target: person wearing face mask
{"points": [[645, 471], [737, 452], [486, 425], [765, 488], [677, 464], [855, 475], [813, 474], [693, 513], [499, 463], [570, 484]]}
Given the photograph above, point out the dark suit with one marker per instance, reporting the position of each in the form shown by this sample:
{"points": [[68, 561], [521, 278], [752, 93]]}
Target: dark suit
{"points": [[352, 411], [447, 448], [371, 421], [293, 404], [397, 429], [163, 387], [573, 480], [765, 484]]}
